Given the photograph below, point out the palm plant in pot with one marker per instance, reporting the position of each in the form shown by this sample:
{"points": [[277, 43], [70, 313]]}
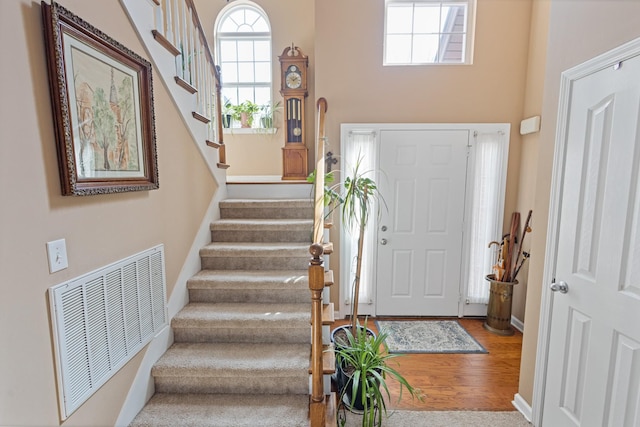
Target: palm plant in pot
{"points": [[360, 198], [365, 368]]}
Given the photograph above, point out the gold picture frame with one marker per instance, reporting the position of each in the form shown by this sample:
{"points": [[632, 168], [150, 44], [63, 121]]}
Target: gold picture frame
{"points": [[102, 100]]}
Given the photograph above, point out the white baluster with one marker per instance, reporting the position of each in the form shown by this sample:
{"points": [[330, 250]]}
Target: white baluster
{"points": [[194, 69], [159, 17], [211, 103], [186, 48], [168, 10]]}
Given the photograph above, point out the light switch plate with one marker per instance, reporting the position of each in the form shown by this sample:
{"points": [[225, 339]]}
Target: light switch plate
{"points": [[57, 254]]}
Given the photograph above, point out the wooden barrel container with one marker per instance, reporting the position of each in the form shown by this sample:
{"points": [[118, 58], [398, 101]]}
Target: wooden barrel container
{"points": [[499, 308]]}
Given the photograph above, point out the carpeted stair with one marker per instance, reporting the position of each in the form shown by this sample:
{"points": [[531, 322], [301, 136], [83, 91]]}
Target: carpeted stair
{"points": [[241, 350]]}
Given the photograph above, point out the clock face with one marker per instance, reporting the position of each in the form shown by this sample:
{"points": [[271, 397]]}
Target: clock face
{"points": [[293, 80]]}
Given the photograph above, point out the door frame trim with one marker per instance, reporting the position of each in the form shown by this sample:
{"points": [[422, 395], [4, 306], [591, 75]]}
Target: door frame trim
{"points": [[463, 308], [567, 79]]}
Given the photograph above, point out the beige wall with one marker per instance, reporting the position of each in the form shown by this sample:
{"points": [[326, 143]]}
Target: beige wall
{"points": [[350, 75], [292, 21], [578, 31], [528, 156], [344, 44], [98, 229]]}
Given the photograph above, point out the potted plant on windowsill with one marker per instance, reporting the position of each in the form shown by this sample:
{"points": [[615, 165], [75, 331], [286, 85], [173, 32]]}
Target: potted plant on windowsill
{"points": [[227, 113], [267, 114], [364, 371], [244, 113]]}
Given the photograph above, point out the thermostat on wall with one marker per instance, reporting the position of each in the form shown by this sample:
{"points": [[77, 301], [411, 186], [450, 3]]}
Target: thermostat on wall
{"points": [[530, 125]]}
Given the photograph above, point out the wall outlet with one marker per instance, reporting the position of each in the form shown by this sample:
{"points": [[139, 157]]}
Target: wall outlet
{"points": [[57, 254]]}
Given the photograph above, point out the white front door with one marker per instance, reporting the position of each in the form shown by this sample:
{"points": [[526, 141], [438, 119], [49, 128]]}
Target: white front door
{"points": [[423, 175], [593, 368]]}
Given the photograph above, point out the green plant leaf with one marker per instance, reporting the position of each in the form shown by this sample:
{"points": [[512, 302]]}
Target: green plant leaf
{"points": [[367, 356]]}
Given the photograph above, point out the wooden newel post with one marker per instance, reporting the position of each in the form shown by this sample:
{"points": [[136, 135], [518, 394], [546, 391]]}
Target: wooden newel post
{"points": [[316, 285]]}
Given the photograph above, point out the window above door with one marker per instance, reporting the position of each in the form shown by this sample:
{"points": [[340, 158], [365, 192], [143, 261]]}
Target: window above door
{"points": [[429, 32]]}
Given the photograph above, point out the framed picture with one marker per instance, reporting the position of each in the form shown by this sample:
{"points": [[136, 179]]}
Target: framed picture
{"points": [[102, 98]]}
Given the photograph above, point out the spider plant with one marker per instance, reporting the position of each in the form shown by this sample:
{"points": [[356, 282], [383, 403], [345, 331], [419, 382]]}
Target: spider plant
{"points": [[365, 364]]}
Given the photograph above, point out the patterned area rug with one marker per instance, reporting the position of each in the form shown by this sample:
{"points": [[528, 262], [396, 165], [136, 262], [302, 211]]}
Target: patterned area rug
{"points": [[428, 336]]}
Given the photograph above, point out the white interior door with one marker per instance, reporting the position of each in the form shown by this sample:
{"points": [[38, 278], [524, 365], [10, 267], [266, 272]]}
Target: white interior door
{"points": [[593, 365], [423, 175]]}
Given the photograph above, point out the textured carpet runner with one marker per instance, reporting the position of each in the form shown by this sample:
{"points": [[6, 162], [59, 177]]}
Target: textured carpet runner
{"points": [[428, 336], [240, 356], [444, 419]]}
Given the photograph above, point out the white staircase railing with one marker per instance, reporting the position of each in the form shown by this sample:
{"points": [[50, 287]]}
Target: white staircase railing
{"points": [[175, 26]]}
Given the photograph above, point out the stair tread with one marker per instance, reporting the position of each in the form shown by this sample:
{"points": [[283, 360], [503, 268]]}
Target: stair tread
{"points": [[268, 224], [328, 278], [273, 249], [244, 345], [238, 315], [224, 410], [328, 314], [266, 245], [293, 203], [328, 360], [249, 279], [331, 403], [232, 359]]}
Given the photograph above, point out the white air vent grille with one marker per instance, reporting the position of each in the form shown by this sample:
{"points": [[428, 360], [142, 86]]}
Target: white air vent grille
{"points": [[102, 319]]}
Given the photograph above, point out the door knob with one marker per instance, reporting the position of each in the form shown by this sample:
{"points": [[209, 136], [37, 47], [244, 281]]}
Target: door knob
{"points": [[383, 241], [383, 228], [561, 287]]}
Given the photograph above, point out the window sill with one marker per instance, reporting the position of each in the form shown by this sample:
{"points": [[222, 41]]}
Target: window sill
{"points": [[249, 131]]}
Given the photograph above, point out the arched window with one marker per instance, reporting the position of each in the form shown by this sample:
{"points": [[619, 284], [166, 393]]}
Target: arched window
{"points": [[243, 48]]}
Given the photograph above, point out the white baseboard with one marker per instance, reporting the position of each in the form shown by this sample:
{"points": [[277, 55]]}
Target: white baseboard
{"points": [[142, 387], [517, 323], [522, 406]]}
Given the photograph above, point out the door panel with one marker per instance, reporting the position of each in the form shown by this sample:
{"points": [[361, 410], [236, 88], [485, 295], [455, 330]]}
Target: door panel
{"points": [[593, 371], [622, 403], [420, 252], [575, 364]]}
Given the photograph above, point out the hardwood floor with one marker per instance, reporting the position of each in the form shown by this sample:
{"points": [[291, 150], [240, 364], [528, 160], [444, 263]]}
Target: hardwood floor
{"points": [[460, 382]]}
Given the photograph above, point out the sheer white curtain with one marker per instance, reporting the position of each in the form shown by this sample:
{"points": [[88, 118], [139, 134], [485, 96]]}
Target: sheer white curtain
{"points": [[486, 217], [359, 146]]}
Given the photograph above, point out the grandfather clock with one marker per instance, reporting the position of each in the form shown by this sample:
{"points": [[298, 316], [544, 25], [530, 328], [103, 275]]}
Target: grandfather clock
{"points": [[293, 71]]}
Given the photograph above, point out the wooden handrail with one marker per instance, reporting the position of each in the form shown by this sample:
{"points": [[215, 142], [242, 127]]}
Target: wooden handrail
{"points": [[318, 220], [196, 22], [317, 408]]}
